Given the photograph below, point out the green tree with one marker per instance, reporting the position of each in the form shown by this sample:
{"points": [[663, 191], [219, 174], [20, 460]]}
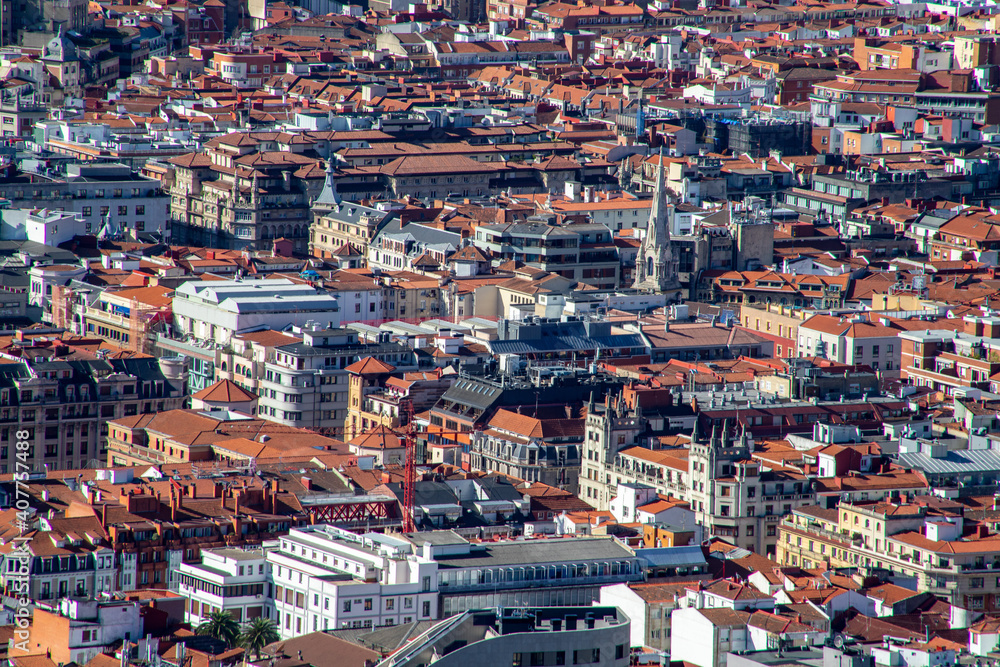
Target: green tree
{"points": [[257, 634], [221, 625]]}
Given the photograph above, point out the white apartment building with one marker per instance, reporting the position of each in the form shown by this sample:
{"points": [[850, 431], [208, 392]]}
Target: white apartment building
{"points": [[323, 577], [236, 581], [858, 339], [215, 310], [89, 626], [99, 193], [326, 577], [53, 227], [306, 384]]}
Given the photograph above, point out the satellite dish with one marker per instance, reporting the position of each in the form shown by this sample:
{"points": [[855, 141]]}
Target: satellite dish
{"points": [[838, 640]]}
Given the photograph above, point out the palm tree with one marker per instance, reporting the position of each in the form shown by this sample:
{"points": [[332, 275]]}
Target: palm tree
{"points": [[257, 634], [221, 625]]}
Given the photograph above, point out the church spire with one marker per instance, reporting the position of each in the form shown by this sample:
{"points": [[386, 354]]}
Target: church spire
{"points": [[655, 270], [329, 194]]}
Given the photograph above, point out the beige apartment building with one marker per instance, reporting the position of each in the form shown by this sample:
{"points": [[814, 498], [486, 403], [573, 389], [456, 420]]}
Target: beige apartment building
{"points": [[778, 323], [926, 545]]}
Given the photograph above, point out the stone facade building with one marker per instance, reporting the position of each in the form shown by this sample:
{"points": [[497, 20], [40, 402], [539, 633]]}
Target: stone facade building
{"points": [[243, 193]]}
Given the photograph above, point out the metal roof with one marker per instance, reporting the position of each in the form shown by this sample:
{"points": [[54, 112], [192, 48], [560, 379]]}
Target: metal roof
{"points": [[532, 552], [672, 556], [954, 462], [565, 343]]}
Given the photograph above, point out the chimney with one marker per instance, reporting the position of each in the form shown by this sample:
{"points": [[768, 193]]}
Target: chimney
{"points": [[306, 483]]}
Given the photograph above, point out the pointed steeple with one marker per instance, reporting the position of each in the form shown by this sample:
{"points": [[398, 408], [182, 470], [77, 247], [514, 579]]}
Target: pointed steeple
{"points": [[109, 229], [329, 194], [655, 270]]}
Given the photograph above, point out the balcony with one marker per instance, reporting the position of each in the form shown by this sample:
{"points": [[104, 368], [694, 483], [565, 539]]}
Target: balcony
{"points": [[815, 530], [787, 496], [143, 453]]}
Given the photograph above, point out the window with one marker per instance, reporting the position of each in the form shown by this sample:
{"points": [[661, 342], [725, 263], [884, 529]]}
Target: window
{"points": [[426, 609], [537, 659], [619, 651], [516, 660], [390, 604], [347, 606]]}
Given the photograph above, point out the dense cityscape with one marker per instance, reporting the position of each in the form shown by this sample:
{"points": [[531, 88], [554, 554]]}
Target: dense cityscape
{"points": [[499, 333]]}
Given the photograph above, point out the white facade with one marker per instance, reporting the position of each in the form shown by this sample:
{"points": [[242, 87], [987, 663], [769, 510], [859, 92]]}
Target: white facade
{"points": [[54, 227], [719, 95], [913, 656], [630, 497], [229, 580], [883, 353], [306, 385], [361, 305], [97, 192], [44, 277], [325, 577], [626, 599], [214, 310], [697, 640], [983, 642], [95, 625]]}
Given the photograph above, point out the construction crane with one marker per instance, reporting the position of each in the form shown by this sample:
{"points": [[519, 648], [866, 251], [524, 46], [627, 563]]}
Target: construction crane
{"points": [[408, 434]]}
